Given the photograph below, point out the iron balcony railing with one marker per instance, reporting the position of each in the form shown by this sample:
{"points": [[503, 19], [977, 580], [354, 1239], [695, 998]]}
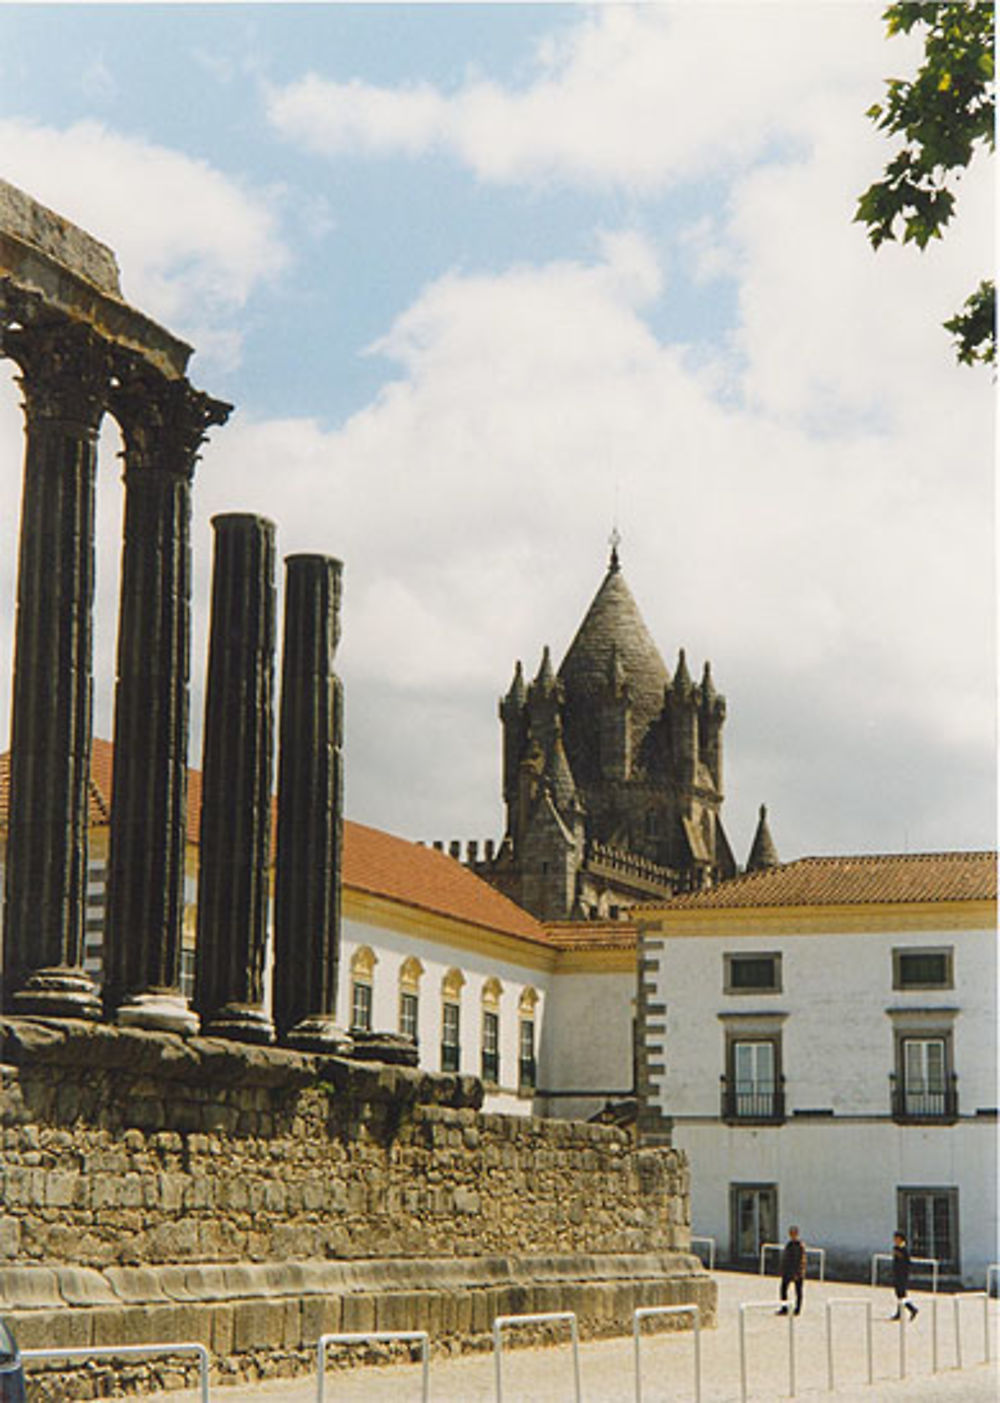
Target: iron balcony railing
{"points": [[760, 1102], [916, 1101]]}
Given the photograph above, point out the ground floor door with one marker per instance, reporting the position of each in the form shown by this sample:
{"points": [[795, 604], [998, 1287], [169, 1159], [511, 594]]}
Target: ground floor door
{"points": [[753, 1219]]}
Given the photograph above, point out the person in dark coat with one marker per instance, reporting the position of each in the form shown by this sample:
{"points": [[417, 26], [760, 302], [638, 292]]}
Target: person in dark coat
{"points": [[901, 1275], [793, 1270]]}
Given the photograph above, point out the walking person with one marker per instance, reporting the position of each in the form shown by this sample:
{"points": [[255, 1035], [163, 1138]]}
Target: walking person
{"points": [[901, 1275], [793, 1270]]}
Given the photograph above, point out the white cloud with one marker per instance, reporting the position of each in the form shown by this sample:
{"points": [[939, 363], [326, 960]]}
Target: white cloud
{"points": [[636, 96], [191, 241]]}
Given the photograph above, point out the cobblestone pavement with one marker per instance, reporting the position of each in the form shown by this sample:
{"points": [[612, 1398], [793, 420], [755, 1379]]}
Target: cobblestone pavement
{"points": [[607, 1368]]}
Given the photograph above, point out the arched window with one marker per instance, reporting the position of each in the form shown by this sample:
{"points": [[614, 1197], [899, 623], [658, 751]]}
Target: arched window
{"points": [[451, 1020], [409, 997], [492, 991], [363, 963], [526, 1065]]}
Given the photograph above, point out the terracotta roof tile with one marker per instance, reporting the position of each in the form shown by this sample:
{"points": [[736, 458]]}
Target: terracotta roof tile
{"points": [[867, 879], [591, 935], [401, 870]]}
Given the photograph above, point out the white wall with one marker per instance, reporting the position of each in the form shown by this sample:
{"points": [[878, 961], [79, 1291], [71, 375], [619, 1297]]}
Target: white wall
{"points": [[838, 1183], [587, 1040], [391, 948], [838, 1177]]}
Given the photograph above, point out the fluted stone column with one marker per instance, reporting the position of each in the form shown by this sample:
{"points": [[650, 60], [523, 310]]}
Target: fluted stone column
{"points": [[236, 783], [65, 374], [310, 801], [163, 424]]}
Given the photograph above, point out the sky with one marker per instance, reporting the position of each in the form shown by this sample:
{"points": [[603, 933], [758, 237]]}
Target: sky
{"points": [[488, 282]]}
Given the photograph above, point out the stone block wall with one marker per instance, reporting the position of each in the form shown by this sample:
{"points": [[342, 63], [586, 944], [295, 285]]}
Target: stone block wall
{"points": [[234, 1195]]}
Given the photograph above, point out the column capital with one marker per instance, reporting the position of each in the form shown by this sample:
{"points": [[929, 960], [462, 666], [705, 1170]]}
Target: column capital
{"points": [[163, 422], [66, 372]]}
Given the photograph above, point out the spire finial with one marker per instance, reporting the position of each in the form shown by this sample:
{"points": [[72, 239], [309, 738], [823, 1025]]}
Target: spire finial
{"points": [[614, 540]]}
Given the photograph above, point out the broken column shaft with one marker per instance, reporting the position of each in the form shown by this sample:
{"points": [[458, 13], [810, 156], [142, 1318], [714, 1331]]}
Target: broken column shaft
{"points": [[310, 801], [236, 783]]}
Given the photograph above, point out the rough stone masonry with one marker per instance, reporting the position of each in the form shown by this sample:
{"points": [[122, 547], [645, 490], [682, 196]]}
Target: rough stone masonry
{"points": [[156, 1187]]}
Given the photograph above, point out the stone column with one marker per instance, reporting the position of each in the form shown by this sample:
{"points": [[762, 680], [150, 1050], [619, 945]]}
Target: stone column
{"points": [[310, 799], [65, 375], [235, 845], [163, 424]]}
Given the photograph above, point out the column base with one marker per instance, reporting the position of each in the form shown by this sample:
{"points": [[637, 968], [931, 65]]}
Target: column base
{"points": [[161, 1012], [62, 991], [244, 1023], [319, 1034]]}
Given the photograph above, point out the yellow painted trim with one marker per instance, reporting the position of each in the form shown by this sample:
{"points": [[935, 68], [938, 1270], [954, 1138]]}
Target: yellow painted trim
{"points": [[368, 909], [846, 919], [596, 962]]}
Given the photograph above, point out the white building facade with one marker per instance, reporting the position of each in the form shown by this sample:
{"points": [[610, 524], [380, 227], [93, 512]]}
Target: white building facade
{"points": [[822, 1038], [542, 1014]]}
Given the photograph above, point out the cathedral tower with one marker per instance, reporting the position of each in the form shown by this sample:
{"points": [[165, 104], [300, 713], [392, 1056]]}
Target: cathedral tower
{"points": [[612, 772]]}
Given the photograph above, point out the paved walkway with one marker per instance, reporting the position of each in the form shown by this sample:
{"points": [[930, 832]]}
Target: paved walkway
{"points": [[607, 1370]]}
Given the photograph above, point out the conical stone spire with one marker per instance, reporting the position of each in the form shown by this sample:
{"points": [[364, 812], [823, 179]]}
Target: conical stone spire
{"points": [[763, 853], [516, 693]]}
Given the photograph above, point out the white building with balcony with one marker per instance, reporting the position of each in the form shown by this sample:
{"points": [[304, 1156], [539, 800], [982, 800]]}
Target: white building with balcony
{"points": [[821, 1038]]}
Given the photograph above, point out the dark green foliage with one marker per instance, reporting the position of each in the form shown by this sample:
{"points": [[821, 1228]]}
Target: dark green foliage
{"points": [[944, 114]]}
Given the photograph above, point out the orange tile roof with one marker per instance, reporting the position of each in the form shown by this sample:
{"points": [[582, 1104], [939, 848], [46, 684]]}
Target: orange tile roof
{"points": [[868, 879], [591, 935], [373, 861], [404, 871]]}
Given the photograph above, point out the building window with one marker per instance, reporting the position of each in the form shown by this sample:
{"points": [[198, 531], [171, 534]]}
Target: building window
{"points": [[527, 1071], [409, 997], [753, 1087], [451, 1044], [752, 973], [409, 1007], [923, 968], [929, 1218], [753, 1219], [924, 1086], [363, 963], [361, 1007], [491, 1047], [492, 990], [451, 1020]]}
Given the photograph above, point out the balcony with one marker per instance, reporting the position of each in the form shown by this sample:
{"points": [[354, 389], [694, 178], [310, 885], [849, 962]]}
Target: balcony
{"points": [[753, 1102], [919, 1104]]}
